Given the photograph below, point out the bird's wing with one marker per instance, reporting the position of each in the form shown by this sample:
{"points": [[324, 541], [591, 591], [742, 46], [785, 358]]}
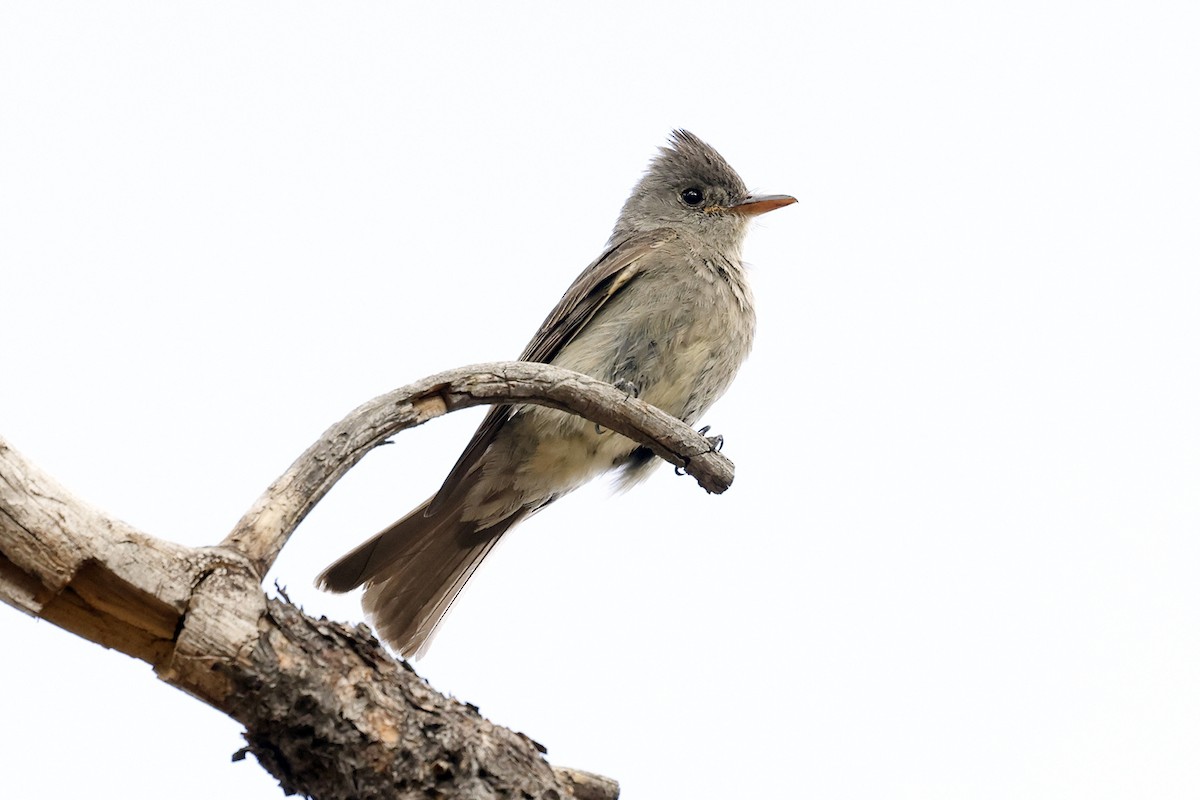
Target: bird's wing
{"points": [[615, 269]]}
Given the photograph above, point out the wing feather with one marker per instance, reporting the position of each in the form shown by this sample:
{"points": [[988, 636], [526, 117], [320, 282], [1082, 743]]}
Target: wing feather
{"points": [[615, 269]]}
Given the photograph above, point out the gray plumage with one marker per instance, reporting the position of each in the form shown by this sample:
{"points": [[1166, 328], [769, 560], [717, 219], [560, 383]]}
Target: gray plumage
{"points": [[665, 313]]}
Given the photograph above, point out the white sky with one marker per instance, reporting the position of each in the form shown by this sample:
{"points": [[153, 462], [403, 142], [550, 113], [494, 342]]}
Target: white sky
{"points": [[960, 558]]}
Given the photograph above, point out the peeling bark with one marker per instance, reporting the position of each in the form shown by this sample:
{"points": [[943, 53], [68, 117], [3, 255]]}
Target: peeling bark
{"points": [[327, 710]]}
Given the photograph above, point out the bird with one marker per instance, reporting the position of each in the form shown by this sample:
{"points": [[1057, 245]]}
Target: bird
{"points": [[665, 314]]}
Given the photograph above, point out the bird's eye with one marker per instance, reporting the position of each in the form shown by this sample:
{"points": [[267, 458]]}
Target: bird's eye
{"points": [[693, 196]]}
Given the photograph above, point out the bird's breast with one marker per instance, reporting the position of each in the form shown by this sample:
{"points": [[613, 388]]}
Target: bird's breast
{"points": [[676, 336]]}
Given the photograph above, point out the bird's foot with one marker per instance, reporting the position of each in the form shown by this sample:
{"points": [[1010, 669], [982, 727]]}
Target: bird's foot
{"points": [[715, 443], [628, 387]]}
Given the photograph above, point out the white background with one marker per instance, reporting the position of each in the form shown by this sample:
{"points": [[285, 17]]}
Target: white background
{"points": [[960, 558]]}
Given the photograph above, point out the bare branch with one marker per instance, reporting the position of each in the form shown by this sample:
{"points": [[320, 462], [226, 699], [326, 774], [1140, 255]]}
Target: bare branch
{"points": [[266, 527], [327, 711]]}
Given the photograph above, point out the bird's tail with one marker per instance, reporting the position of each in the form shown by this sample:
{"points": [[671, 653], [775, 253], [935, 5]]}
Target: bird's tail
{"points": [[413, 571]]}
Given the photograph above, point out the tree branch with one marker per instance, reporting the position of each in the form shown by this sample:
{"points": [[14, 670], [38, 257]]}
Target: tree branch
{"points": [[266, 527], [326, 709]]}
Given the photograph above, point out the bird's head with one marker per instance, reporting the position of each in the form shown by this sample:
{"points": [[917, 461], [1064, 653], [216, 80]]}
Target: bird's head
{"points": [[690, 187]]}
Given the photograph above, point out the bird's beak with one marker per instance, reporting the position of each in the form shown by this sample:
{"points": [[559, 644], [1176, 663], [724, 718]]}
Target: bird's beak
{"points": [[760, 204]]}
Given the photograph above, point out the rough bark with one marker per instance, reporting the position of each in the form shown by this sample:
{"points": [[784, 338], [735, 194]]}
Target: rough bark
{"points": [[327, 710]]}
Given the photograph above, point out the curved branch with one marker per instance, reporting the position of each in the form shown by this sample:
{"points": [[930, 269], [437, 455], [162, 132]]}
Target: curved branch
{"points": [[266, 527], [303, 686]]}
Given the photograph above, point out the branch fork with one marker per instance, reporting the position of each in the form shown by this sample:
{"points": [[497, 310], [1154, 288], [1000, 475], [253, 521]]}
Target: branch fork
{"points": [[327, 710]]}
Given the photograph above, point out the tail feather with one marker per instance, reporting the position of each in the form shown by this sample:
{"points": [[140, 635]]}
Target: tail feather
{"points": [[376, 554], [413, 572]]}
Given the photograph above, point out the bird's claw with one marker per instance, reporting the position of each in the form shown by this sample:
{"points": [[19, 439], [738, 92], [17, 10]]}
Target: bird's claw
{"points": [[714, 442], [628, 387]]}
